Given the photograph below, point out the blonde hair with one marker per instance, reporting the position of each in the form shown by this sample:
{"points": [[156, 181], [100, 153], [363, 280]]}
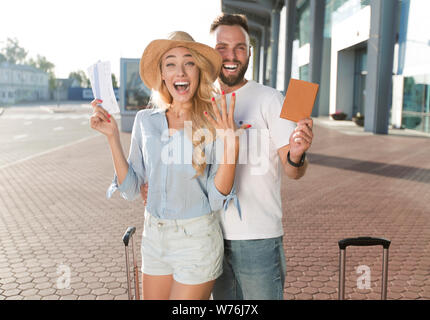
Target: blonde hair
{"points": [[201, 102]]}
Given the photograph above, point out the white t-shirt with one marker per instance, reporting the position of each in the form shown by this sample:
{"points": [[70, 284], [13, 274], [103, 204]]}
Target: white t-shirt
{"points": [[258, 173]]}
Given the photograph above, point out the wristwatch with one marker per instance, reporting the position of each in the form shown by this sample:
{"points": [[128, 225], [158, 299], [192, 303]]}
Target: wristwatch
{"points": [[301, 162]]}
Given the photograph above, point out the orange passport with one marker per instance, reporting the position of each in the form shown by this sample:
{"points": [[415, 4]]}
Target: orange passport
{"points": [[299, 100]]}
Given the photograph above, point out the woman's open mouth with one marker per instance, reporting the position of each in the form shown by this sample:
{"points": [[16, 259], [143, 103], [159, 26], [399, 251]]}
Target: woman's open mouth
{"points": [[182, 87]]}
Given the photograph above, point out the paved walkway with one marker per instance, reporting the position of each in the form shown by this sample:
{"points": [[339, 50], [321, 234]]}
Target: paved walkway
{"points": [[61, 239], [359, 185]]}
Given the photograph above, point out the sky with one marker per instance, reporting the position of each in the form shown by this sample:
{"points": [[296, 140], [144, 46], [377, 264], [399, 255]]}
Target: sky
{"points": [[75, 34]]}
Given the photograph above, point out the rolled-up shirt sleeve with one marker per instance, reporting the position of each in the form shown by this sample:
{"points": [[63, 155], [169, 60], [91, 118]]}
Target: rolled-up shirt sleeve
{"points": [[130, 187], [217, 200]]}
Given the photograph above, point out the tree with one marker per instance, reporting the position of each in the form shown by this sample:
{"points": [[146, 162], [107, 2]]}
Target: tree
{"points": [[81, 78], [114, 82], [13, 52], [52, 81], [41, 63]]}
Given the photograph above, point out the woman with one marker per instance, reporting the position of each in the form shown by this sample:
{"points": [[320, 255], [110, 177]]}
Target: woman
{"points": [[182, 243]]}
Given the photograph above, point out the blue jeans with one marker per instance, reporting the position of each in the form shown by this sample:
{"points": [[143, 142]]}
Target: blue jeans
{"points": [[253, 270]]}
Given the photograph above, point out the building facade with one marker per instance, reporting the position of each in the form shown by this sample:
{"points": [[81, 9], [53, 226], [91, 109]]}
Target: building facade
{"points": [[369, 56], [19, 83]]}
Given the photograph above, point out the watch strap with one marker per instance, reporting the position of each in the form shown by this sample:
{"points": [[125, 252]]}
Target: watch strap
{"points": [[297, 165]]}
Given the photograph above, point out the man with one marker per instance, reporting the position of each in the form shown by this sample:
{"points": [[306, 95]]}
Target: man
{"points": [[254, 262]]}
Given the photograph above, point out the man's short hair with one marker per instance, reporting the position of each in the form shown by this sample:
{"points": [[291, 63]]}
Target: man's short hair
{"points": [[230, 20]]}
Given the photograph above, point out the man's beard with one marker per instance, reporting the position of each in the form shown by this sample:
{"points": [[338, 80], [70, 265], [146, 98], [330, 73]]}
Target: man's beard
{"points": [[234, 80]]}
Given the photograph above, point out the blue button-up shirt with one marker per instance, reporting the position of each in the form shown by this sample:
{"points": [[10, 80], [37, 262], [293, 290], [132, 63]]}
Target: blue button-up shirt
{"points": [[165, 162]]}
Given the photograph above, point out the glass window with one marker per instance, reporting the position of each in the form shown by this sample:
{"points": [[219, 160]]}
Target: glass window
{"points": [[427, 104], [136, 93], [414, 95], [410, 121], [340, 10], [304, 72], [426, 124], [303, 26], [416, 104], [360, 74]]}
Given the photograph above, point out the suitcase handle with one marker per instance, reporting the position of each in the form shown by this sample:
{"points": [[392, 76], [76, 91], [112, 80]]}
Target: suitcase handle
{"points": [[364, 241], [128, 234]]}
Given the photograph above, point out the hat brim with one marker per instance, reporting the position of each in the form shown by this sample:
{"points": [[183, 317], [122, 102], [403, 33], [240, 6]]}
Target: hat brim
{"points": [[149, 63]]}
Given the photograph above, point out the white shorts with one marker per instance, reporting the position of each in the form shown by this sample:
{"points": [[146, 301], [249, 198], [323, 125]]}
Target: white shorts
{"points": [[190, 249]]}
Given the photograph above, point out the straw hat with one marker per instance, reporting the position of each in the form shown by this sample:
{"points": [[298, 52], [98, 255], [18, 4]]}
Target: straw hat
{"points": [[149, 63]]}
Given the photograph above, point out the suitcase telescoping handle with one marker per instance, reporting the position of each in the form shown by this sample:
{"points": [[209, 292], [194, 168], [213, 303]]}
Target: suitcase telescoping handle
{"points": [[363, 241], [128, 235]]}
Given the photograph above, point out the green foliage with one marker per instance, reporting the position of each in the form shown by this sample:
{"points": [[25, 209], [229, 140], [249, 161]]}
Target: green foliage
{"points": [[13, 52], [41, 63], [114, 81], [81, 78]]}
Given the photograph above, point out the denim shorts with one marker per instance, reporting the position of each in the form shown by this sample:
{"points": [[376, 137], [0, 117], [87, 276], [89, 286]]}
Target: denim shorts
{"points": [[253, 270], [189, 249]]}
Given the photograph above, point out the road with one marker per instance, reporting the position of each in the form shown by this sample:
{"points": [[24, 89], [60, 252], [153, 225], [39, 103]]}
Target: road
{"points": [[31, 130]]}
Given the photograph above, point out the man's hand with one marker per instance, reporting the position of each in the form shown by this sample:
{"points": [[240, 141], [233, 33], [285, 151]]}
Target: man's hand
{"points": [[144, 192], [301, 139]]}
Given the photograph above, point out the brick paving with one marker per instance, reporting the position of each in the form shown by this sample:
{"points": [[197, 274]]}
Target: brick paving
{"points": [[359, 185], [55, 220]]}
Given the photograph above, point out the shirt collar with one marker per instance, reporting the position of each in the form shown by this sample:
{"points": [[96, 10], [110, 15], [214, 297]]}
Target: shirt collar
{"points": [[157, 110]]}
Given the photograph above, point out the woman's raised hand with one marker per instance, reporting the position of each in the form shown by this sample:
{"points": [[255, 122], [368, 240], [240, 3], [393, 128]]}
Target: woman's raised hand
{"points": [[102, 121], [224, 124]]}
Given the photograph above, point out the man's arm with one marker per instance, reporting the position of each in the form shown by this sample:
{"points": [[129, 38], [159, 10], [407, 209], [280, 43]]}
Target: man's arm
{"points": [[291, 171], [300, 142]]}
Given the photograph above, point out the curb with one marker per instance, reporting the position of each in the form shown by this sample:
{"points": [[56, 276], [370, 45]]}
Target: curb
{"points": [[58, 109]]}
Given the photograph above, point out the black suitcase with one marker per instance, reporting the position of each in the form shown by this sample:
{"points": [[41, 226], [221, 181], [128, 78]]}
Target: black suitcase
{"points": [[128, 235], [363, 241]]}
